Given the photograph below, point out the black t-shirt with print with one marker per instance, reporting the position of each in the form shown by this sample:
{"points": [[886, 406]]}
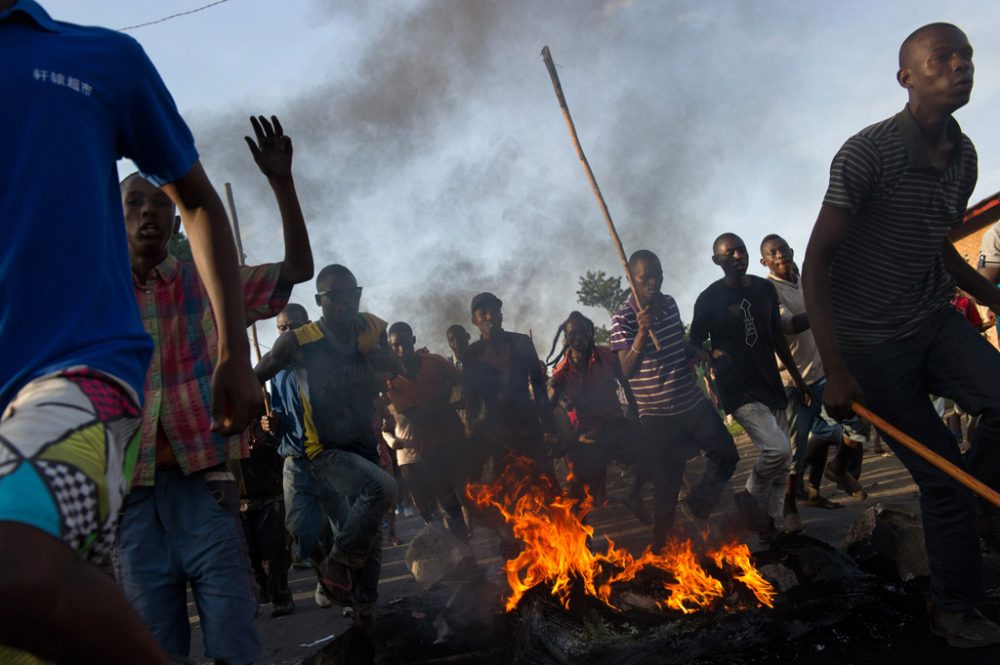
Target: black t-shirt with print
{"points": [[742, 323]]}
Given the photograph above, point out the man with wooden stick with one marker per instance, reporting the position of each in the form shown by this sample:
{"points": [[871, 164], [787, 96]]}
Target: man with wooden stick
{"points": [[879, 273], [76, 99], [181, 521], [676, 418]]}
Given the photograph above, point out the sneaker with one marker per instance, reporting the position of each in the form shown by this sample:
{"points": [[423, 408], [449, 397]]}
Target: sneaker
{"points": [[793, 523], [847, 483], [964, 630], [283, 608], [335, 578], [322, 600]]}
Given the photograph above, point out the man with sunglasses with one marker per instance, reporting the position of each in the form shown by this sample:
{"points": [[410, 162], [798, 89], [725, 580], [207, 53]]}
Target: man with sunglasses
{"points": [[340, 361], [307, 503]]}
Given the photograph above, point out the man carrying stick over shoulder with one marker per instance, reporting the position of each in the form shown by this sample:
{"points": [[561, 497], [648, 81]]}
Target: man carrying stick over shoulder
{"points": [[878, 276]]}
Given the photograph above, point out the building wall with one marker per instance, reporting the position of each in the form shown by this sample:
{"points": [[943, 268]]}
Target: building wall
{"points": [[968, 247]]}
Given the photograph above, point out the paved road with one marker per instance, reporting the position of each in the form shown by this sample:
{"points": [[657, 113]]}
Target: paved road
{"points": [[289, 639]]}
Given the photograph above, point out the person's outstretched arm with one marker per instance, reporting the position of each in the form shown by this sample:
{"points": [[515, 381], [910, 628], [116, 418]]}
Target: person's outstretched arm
{"points": [[272, 151], [236, 396]]}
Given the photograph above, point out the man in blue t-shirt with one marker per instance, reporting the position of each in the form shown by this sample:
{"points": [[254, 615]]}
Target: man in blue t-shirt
{"points": [[80, 98]]}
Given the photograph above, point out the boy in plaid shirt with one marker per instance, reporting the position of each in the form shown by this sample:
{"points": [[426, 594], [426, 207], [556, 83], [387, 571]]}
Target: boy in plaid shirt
{"points": [[181, 521]]}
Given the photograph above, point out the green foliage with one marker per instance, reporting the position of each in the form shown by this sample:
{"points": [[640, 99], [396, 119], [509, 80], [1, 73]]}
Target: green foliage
{"points": [[179, 248], [602, 336], [599, 290]]}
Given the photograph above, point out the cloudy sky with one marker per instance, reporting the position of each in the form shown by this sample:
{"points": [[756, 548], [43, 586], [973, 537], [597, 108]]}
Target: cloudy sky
{"points": [[432, 159]]}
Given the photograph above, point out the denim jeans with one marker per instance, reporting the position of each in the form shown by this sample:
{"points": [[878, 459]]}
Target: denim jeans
{"points": [[307, 504], [186, 529], [669, 442], [800, 421], [767, 430], [947, 357], [370, 493]]}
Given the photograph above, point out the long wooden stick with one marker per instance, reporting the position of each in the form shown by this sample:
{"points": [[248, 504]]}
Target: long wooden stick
{"points": [[551, 66], [931, 457], [243, 262]]}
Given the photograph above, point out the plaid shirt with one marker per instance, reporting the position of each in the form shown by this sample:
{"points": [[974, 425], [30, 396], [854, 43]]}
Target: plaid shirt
{"points": [[178, 316]]}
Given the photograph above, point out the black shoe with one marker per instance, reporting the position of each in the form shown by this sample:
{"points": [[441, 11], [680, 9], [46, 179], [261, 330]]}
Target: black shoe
{"points": [[964, 630], [283, 607]]}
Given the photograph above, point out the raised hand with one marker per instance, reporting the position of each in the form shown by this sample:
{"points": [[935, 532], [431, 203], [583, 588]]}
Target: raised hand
{"points": [[272, 150]]}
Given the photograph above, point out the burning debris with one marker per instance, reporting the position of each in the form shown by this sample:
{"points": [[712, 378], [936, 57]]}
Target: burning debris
{"points": [[557, 554]]}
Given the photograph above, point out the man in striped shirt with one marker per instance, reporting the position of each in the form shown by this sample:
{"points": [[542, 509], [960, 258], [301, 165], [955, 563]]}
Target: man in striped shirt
{"points": [[677, 419], [879, 273]]}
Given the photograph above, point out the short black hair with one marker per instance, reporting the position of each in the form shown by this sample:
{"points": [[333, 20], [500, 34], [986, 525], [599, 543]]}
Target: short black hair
{"points": [[907, 46], [338, 272], [295, 309], [400, 328], [768, 238], [728, 235], [131, 176], [642, 255], [455, 328]]}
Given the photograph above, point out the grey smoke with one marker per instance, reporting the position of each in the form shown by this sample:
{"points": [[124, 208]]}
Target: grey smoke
{"points": [[437, 164]]}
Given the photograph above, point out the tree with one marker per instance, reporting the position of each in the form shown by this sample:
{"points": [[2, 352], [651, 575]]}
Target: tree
{"points": [[179, 248], [599, 290]]}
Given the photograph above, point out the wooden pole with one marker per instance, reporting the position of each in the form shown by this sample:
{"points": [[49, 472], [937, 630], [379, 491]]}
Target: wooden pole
{"points": [[243, 261], [551, 66], [931, 457]]}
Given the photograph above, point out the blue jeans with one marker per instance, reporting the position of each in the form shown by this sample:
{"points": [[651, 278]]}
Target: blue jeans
{"points": [[187, 529], [307, 504], [800, 421], [946, 357], [370, 493]]}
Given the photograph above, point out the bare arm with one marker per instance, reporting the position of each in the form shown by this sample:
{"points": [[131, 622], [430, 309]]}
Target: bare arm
{"points": [[968, 279], [236, 397], [785, 355], [273, 154], [828, 234], [631, 358], [991, 273], [279, 357]]}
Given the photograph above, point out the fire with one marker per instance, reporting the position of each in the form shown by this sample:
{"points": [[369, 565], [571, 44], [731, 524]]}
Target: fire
{"points": [[551, 526]]}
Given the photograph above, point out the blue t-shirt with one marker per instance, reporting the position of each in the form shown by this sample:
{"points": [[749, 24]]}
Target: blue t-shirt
{"points": [[75, 100]]}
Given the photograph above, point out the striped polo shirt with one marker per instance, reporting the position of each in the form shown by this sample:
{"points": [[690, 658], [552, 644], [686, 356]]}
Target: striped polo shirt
{"points": [[888, 275], [664, 384]]}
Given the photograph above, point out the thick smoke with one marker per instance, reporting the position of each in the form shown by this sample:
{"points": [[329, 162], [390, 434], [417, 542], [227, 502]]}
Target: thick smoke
{"points": [[436, 164]]}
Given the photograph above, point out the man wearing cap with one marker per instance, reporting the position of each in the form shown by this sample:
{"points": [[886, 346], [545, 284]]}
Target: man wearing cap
{"points": [[508, 407]]}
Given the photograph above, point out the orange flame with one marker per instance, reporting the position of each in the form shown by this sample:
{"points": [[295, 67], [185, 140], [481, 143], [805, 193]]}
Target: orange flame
{"points": [[550, 525]]}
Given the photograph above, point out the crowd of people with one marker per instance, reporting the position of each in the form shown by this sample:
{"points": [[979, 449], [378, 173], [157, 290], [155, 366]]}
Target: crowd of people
{"points": [[133, 422]]}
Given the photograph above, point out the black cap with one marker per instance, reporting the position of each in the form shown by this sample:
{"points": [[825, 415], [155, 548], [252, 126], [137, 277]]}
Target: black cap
{"points": [[485, 299]]}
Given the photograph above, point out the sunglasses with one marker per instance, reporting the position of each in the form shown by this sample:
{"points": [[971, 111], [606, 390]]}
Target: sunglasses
{"points": [[344, 294]]}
